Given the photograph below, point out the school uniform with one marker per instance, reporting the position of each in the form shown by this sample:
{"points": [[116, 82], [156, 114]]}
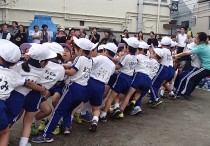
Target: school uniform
{"points": [[53, 73], [124, 78], [16, 100], [73, 94], [171, 71], [9, 80], [103, 68]]}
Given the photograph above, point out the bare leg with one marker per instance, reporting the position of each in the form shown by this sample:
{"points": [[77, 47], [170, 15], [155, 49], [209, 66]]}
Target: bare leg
{"points": [[127, 98], [45, 111], [55, 99], [4, 137]]}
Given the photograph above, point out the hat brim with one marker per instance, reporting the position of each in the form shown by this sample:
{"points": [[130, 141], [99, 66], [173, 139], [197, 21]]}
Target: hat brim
{"points": [[25, 46], [67, 46], [52, 54], [94, 46]]}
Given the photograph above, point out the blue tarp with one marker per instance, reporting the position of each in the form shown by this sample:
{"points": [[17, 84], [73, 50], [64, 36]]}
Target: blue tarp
{"points": [[39, 21]]}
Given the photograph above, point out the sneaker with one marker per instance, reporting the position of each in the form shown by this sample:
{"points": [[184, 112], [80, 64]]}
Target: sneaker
{"points": [[42, 125], [57, 130], [78, 118], [149, 103], [87, 117], [41, 139], [103, 119], [120, 116], [66, 130], [156, 103], [135, 111], [163, 96], [115, 113], [34, 131], [130, 106], [111, 109], [172, 96], [184, 97], [93, 126]]}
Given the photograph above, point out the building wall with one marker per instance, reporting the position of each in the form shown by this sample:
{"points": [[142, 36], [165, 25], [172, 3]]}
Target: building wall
{"points": [[202, 14], [115, 15]]}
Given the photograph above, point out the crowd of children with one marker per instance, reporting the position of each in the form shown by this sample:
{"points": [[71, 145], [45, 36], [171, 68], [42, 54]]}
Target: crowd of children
{"points": [[121, 76]]}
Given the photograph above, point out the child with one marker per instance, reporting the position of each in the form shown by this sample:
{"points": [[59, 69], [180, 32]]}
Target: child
{"points": [[124, 78], [75, 89], [140, 81], [9, 80], [103, 68]]}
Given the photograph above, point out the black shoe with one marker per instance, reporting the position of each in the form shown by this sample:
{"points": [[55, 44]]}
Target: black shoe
{"points": [[129, 107], [115, 113], [172, 96], [163, 96], [156, 103], [93, 126], [103, 119], [184, 97]]}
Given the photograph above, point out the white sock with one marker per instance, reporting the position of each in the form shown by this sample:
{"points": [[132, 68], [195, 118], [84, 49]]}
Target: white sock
{"points": [[34, 120], [83, 112], [137, 107], [95, 118], [116, 105], [60, 121], [23, 141], [171, 93], [120, 102], [103, 114], [72, 117], [84, 107], [162, 92], [171, 85]]}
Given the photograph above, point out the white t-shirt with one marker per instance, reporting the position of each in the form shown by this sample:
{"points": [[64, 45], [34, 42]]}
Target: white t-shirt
{"points": [[83, 66], [196, 62], [33, 76], [154, 67], [103, 68], [128, 63], [143, 64], [53, 73], [33, 33], [9, 80], [181, 39], [167, 58]]}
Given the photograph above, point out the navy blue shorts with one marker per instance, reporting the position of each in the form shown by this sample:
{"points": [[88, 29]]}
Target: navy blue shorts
{"points": [[122, 83], [14, 105], [33, 101], [95, 91], [57, 88], [3, 116], [141, 81], [112, 80], [171, 73]]}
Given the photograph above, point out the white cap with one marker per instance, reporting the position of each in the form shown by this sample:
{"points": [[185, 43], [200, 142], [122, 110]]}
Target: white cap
{"points": [[159, 52], [191, 45], [143, 45], [101, 47], [57, 48], [166, 41], [111, 46], [3, 42], [83, 43], [94, 46], [173, 44], [132, 41], [10, 52], [40, 52]]}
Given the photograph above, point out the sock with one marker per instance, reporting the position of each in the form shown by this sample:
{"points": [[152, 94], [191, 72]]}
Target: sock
{"points": [[83, 112], [171, 93], [171, 85], [59, 122], [120, 102], [45, 119], [34, 120], [95, 118], [84, 107], [116, 105], [103, 114], [162, 92], [23, 141], [72, 117]]}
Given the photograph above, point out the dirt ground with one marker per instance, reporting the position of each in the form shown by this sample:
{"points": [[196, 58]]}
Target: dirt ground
{"points": [[174, 123]]}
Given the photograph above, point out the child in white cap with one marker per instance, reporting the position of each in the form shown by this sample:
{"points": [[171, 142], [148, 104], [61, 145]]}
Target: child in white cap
{"points": [[9, 80], [74, 92], [122, 84]]}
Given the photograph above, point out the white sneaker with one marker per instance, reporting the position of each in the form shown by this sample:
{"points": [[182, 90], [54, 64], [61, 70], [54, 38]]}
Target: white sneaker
{"points": [[135, 111]]}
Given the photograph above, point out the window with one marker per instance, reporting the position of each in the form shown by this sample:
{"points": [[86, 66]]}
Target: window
{"points": [[164, 1], [82, 23], [185, 24]]}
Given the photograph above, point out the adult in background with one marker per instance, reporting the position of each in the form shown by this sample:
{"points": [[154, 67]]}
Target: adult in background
{"points": [[14, 31], [5, 34], [35, 35], [124, 35], [21, 36], [180, 39], [61, 36], [94, 36], [44, 35], [112, 39], [82, 34], [152, 40], [140, 36], [72, 32], [106, 38]]}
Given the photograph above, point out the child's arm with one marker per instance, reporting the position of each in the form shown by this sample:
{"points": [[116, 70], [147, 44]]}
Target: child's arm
{"points": [[67, 65], [70, 72], [34, 86]]}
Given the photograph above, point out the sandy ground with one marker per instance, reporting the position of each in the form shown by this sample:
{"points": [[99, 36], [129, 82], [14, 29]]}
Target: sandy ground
{"points": [[174, 123]]}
